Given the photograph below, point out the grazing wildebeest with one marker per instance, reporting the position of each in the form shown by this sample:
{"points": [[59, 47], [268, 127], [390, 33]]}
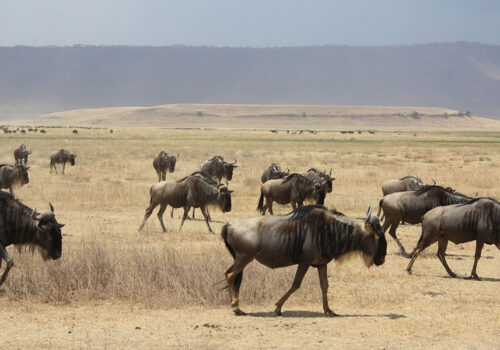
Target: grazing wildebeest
{"points": [[212, 180], [273, 172], [42, 131], [13, 176], [75, 131], [293, 189], [61, 156], [410, 206], [478, 219], [219, 168], [192, 192], [324, 184], [308, 236], [164, 163], [407, 183], [21, 225], [21, 155]]}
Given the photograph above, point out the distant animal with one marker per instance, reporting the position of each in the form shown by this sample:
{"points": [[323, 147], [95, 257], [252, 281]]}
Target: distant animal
{"points": [[75, 131], [407, 183], [293, 189], [111, 131], [20, 225], [61, 156], [42, 131], [21, 155], [308, 236], [13, 176], [30, 129], [478, 219], [323, 184], [164, 163], [219, 168], [22, 131], [411, 206], [192, 192], [273, 172], [211, 180]]}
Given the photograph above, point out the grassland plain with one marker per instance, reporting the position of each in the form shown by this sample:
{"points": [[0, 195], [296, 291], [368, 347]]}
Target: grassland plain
{"points": [[117, 288]]}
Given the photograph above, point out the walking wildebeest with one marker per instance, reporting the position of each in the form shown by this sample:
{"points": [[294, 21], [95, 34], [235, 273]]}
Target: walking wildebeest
{"points": [[407, 183], [21, 155], [218, 167], [211, 180], [478, 219], [164, 163], [411, 206], [273, 172], [61, 156], [324, 182], [308, 236], [13, 176], [20, 225], [293, 189], [192, 192]]}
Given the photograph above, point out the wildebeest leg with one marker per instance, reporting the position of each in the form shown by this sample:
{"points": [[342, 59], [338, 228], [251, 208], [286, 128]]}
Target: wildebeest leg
{"points": [[323, 282], [184, 216], [234, 276], [422, 244], [172, 213], [299, 276], [160, 216], [203, 211], [64, 166], [10, 263], [479, 248], [193, 212], [392, 232], [55, 168], [442, 244], [149, 211]]}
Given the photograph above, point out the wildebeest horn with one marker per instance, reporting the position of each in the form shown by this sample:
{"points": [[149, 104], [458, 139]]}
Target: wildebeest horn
{"points": [[51, 207], [288, 170], [330, 171], [234, 162], [475, 196], [434, 182], [368, 213], [33, 215]]}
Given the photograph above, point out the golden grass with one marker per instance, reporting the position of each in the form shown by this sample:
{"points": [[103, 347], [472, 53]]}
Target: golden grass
{"points": [[102, 201]]}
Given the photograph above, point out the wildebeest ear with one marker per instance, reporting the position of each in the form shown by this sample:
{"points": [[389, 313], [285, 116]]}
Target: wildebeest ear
{"points": [[333, 178], [61, 225], [28, 168]]}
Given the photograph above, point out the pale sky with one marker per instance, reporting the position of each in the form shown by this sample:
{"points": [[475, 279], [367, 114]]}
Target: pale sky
{"points": [[255, 23]]}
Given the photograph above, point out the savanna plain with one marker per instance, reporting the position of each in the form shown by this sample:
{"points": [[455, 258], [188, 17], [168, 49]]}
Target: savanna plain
{"points": [[117, 288]]}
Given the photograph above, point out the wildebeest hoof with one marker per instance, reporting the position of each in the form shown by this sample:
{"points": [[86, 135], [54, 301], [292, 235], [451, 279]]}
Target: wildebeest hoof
{"points": [[405, 254], [238, 312], [474, 277], [453, 275], [277, 312], [330, 312]]}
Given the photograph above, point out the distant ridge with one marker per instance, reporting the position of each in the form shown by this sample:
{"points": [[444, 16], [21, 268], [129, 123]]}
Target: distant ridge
{"points": [[271, 117], [460, 76]]}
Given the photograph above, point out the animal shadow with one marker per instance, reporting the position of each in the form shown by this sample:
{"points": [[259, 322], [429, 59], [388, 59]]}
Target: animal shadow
{"points": [[312, 314]]}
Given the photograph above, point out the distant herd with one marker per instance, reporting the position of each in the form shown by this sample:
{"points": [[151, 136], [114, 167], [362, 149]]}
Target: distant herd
{"points": [[310, 235]]}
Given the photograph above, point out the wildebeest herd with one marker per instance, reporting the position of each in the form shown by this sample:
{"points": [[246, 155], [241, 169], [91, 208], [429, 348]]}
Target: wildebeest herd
{"points": [[310, 235]]}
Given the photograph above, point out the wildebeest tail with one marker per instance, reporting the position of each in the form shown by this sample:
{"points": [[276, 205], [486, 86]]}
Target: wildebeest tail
{"points": [[260, 206], [380, 209], [224, 238]]}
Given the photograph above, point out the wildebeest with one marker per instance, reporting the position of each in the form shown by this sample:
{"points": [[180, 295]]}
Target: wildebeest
{"points": [[323, 182], [164, 163], [293, 189], [478, 219], [273, 172], [75, 131], [20, 225], [407, 183], [42, 131], [61, 156], [219, 168], [308, 236], [21, 155], [211, 180], [192, 192], [410, 206], [13, 176]]}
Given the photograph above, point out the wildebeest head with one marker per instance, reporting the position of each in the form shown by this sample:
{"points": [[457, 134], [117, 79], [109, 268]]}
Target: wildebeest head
{"points": [[171, 163], [49, 236], [225, 199], [328, 181], [72, 159], [374, 230], [228, 168], [22, 171]]}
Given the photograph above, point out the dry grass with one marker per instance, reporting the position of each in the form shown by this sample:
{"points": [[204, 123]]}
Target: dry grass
{"points": [[105, 260]]}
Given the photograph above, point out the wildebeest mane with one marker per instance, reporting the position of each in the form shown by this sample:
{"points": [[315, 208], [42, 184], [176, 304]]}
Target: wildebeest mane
{"points": [[449, 190], [16, 214], [299, 213], [412, 177], [294, 175], [313, 170], [198, 172]]}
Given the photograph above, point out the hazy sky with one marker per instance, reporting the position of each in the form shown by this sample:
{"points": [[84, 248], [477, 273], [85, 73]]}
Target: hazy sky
{"points": [[257, 23]]}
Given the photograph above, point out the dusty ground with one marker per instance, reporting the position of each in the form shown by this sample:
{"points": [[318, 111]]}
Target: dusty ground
{"points": [[114, 288]]}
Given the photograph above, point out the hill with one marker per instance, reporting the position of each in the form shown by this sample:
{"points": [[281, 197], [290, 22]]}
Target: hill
{"points": [[271, 117], [460, 76]]}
